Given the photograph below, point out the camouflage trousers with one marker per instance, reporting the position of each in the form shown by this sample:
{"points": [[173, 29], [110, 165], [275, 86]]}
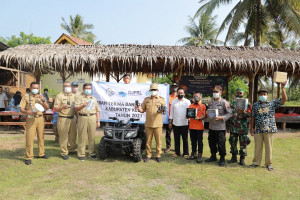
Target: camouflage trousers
{"points": [[244, 142]]}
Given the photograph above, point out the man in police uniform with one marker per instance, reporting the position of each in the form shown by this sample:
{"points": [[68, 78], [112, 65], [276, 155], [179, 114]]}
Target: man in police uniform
{"points": [[34, 121], [64, 105], [153, 122], [88, 119], [217, 126]]}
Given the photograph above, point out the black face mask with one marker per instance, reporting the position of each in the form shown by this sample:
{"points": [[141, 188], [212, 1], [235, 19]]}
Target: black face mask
{"points": [[239, 96], [180, 96]]}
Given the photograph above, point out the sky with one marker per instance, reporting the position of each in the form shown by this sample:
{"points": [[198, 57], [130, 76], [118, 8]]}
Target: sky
{"points": [[158, 22]]}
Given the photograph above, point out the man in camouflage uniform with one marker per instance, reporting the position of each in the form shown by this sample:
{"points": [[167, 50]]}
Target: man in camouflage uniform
{"points": [[238, 127]]}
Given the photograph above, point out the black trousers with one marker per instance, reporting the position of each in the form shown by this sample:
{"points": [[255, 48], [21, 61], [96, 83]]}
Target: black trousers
{"points": [[168, 135], [196, 140], [2, 117], [183, 132], [216, 141]]}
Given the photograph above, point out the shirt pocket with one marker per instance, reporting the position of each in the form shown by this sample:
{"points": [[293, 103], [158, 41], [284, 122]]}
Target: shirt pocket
{"points": [[148, 105]]}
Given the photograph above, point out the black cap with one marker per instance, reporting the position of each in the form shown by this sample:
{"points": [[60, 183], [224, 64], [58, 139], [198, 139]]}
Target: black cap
{"points": [[263, 90], [174, 84], [74, 83]]}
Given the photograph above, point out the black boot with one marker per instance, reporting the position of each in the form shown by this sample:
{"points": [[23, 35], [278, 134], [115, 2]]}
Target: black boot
{"points": [[211, 159], [222, 162], [242, 160], [233, 159]]}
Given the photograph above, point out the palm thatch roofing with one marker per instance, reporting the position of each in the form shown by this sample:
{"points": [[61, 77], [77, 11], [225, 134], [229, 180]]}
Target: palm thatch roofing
{"points": [[153, 58]]}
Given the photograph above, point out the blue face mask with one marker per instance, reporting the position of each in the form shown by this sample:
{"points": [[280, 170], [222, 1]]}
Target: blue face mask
{"points": [[35, 91], [88, 92], [263, 98]]}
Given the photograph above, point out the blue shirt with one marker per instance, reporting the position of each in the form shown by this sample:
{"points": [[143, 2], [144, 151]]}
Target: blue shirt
{"points": [[264, 114]]}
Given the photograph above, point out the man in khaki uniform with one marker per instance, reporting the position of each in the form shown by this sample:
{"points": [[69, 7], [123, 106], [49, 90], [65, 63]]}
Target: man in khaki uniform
{"points": [[34, 121], [64, 105], [153, 122], [74, 130], [88, 119]]}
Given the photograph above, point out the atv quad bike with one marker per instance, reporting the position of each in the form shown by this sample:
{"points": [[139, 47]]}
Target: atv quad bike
{"points": [[123, 137]]}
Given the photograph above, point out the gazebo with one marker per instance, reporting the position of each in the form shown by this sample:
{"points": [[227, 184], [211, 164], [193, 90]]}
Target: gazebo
{"points": [[250, 62]]}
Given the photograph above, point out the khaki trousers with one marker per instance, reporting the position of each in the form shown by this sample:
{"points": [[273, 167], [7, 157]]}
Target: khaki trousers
{"points": [[260, 139], [86, 126], [157, 132], [34, 126], [73, 134], [64, 131]]}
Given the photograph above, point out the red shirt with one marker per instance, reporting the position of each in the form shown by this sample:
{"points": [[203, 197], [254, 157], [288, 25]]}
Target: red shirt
{"points": [[195, 123]]}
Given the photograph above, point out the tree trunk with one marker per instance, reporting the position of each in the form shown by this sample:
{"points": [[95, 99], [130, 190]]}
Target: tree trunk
{"points": [[258, 23]]}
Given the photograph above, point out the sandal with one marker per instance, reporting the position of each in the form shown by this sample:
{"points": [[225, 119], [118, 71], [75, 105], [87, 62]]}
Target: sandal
{"points": [[270, 168], [253, 166]]}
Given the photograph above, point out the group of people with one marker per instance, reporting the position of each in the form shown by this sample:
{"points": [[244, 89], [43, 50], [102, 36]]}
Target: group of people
{"points": [[78, 117], [230, 118]]}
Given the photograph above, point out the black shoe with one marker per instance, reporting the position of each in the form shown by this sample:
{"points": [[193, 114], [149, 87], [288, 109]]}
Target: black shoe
{"points": [[94, 157], [211, 159], [44, 157], [158, 159], [253, 166], [28, 162], [72, 153], [192, 157], [65, 157], [168, 150], [233, 159], [81, 158], [146, 159], [222, 162], [199, 158], [242, 161]]}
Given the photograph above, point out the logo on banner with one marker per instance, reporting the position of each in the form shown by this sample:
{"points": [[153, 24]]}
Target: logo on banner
{"points": [[122, 94], [110, 92]]}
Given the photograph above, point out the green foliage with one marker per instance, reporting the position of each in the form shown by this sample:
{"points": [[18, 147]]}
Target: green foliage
{"points": [[234, 84], [163, 79], [203, 33], [78, 29], [14, 41]]}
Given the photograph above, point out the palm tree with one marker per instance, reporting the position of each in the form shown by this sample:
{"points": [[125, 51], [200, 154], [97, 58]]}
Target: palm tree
{"points": [[257, 13], [203, 33], [78, 29]]}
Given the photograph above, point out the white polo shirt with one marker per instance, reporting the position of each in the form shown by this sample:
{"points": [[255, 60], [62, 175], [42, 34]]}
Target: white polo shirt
{"points": [[3, 98], [178, 111]]}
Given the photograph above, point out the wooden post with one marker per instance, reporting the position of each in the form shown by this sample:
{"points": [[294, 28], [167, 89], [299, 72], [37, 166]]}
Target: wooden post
{"points": [[278, 90], [255, 88], [106, 71], [250, 90]]}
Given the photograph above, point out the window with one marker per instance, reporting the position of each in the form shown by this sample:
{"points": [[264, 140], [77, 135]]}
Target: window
{"points": [[81, 80]]}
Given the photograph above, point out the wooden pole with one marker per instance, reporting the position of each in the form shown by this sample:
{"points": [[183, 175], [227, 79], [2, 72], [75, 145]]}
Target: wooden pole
{"points": [[255, 88], [278, 90]]}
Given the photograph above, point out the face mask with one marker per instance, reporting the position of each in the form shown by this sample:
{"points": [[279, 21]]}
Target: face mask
{"points": [[35, 91], [180, 96], [153, 93], [68, 89], [46, 92], [88, 92], [216, 95], [239, 96], [196, 99], [263, 98]]}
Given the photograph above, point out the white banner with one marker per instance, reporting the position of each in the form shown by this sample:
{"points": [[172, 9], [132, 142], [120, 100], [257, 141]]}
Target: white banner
{"points": [[118, 99]]}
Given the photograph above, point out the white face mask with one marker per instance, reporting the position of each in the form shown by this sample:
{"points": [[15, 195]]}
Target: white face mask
{"points": [[216, 95], [68, 89], [153, 93]]}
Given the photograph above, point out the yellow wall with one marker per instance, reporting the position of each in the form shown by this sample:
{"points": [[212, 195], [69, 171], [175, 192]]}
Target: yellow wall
{"points": [[50, 81]]}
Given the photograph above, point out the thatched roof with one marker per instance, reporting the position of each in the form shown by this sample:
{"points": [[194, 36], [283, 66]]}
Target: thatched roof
{"points": [[156, 59], [3, 46]]}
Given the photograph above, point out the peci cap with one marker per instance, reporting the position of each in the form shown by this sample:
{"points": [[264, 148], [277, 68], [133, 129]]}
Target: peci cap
{"points": [[153, 86], [240, 90], [263, 90], [74, 83], [174, 84], [217, 88]]}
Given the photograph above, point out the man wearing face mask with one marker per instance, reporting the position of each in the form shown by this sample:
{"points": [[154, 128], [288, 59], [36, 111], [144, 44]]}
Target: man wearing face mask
{"points": [[34, 121], [238, 127], [88, 120], [127, 78], [217, 126], [172, 96], [154, 121], [46, 97], [263, 116], [196, 127], [64, 105], [179, 122]]}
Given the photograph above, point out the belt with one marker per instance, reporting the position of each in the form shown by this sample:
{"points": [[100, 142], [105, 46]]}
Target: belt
{"points": [[69, 117], [87, 115]]}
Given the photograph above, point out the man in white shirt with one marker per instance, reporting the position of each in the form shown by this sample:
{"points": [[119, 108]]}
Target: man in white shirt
{"points": [[179, 122], [3, 101]]}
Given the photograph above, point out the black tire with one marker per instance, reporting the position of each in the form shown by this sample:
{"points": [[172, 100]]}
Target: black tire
{"points": [[102, 149], [137, 150]]}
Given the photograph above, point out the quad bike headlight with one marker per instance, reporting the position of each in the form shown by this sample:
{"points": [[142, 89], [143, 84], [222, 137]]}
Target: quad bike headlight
{"points": [[108, 133], [130, 134]]}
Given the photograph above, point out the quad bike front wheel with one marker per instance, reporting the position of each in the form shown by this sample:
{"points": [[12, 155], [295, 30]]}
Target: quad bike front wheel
{"points": [[102, 149], [137, 149]]}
